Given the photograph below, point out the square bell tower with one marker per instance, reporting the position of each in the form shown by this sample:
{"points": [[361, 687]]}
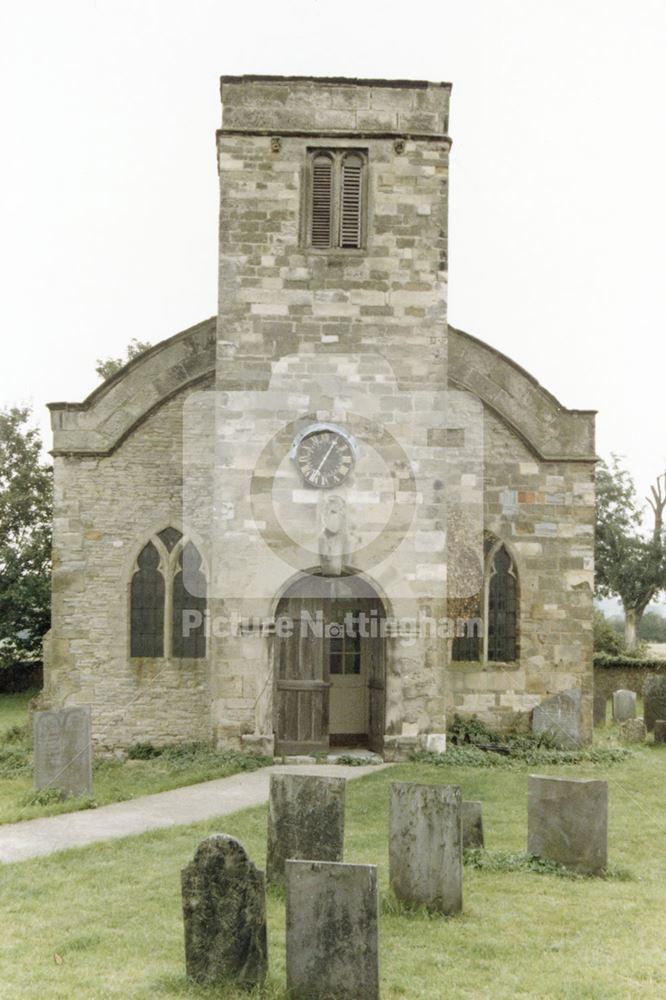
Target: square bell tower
{"points": [[333, 224]]}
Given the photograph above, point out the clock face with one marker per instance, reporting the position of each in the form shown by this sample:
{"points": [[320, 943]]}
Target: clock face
{"points": [[324, 458]]}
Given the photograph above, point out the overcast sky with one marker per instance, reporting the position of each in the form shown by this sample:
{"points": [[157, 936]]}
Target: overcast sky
{"points": [[108, 204]]}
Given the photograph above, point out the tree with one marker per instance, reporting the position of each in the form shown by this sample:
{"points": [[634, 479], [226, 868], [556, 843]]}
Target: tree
{"points": [[26, 487], [653, 627], [606, 638], [105, 369], [630, 562]]}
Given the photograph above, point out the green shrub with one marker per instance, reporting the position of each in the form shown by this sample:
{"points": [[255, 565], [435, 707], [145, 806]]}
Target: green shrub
{"points": [[606, 638], [143, 751], [15, 751], [43, 797], [507, 861], [520, 753], [611, 660]]}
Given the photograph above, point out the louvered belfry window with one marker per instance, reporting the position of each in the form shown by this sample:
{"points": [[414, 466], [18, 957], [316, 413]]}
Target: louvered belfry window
{"points": [[336, 211], [322, 201], [350, 202]]}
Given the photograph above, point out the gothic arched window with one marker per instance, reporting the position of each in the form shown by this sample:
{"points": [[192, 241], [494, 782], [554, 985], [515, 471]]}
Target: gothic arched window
{"points": [[502, 608], [147, 617], [168, 599], [494, 639]]}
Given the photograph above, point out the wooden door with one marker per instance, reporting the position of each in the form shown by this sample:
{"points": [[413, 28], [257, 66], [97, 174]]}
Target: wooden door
{"points": [[375, 654], [302, 682]]}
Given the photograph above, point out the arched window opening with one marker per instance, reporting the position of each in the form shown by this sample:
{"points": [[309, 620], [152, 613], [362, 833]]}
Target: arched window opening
{"points": [[336, 203], [502, 608], [189, 605], [168, 599], [147, 616], [465, 586], [322, 201], [351, 195]]}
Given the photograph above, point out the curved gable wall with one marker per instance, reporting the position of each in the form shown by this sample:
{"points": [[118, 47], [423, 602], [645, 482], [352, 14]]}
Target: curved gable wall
{"points": [[551, 431], [101, 423]]}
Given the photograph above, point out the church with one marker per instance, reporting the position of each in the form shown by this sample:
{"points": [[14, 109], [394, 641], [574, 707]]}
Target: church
{"points": [[322, 517]]}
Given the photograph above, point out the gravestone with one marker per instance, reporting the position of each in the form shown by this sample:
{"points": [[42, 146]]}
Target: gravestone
{"points": [[567, 822], [224, 911], [332, 930], [425, 845], [559, 717], [633, 731], [472, 825], [599, 707], [654, 699], [306, 821], [624, 705], [63, 750], [660, 731]]}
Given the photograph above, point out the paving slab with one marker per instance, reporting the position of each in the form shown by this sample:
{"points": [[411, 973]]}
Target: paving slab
{"points": [[35, 838]]}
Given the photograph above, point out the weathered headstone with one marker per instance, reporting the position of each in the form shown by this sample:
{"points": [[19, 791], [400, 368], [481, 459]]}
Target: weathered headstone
{"points": [[472, 825], [567, 822], [654, 699], [332, 930], [559, 717], [624, 705], [306, 821], [599, 707], [63, 750], [633, 731], [425, 845], [224, 911], [660, 731]]}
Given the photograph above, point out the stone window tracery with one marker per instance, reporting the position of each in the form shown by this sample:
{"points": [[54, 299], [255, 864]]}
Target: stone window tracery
{"points": [[491, 637], [168, 599]]}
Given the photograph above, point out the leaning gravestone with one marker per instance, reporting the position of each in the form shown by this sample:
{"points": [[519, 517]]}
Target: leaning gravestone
{"points": [[472, 825], [654, 699], [63, 750], [624, 705], [332, 930], [567, 822], [599, 707], [224, 911], [660, 731], [306, 820], [425, 845], [559, 718], [633, 731]]}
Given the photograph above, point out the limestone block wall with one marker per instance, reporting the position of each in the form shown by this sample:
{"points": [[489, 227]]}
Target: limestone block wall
{"points": [[544, 513], [278, 296], [106, 509]]}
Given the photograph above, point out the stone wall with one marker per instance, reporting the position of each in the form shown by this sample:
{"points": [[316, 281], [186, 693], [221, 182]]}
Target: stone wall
{"points": [[544, 513], [356, 337], [106, 509]]}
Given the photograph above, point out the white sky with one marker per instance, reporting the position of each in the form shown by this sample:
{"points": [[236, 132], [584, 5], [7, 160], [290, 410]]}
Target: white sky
{"points": [[108, 205]]}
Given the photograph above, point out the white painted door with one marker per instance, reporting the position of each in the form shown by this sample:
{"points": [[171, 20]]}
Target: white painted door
{"points": [[349, 685]]}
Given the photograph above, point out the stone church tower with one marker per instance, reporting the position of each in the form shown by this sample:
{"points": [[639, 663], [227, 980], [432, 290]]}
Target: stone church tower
{"points": [[323, 516]]}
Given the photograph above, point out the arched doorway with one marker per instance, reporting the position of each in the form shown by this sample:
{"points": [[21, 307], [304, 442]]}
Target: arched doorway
{"points": [[329, 665]]}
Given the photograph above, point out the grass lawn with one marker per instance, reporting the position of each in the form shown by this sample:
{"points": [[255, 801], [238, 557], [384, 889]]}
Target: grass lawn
{"points": [[113, 780], [111, 912]]}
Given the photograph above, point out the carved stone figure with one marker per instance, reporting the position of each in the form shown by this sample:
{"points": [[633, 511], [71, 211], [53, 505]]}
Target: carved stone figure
{"points": [[332, 535]]}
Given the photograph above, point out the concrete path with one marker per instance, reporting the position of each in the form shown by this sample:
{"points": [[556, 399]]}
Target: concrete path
{"points": [[36, 837]]}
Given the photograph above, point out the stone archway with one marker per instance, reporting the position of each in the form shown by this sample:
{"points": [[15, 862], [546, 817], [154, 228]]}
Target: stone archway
{"points": [[329, 665]]}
